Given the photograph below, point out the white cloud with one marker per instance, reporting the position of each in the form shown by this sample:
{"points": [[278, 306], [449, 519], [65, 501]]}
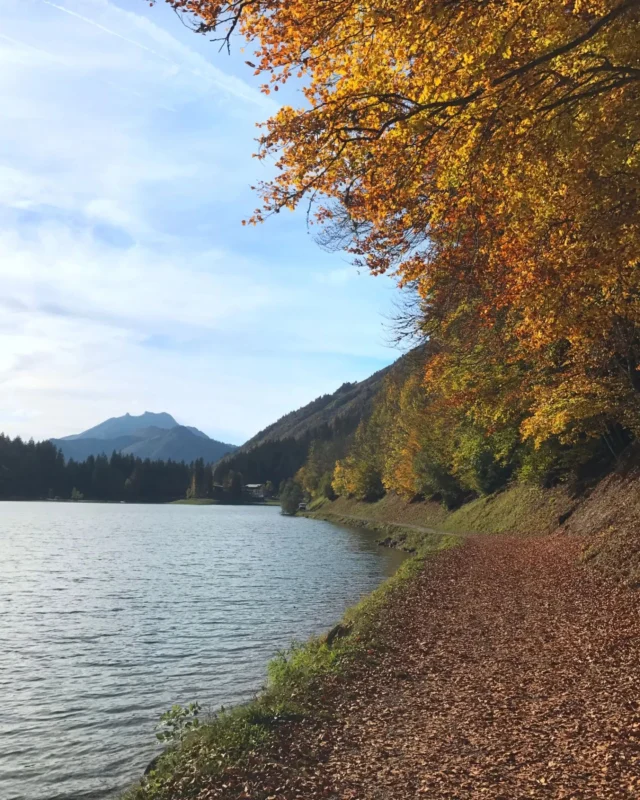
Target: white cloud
{"points": [[72, 274], [127, 281]]}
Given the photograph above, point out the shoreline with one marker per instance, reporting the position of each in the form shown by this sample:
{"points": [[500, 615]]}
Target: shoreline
{"points": [[206, 501], [179, 502], [397, 535], [450, 680], [292, 698]]}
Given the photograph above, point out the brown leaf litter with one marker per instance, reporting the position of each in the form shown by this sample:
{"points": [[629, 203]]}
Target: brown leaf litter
{"points": [[508, 671]]}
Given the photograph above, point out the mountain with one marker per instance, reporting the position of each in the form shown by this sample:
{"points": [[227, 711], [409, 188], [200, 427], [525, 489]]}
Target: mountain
{"points": [[123, 426], [179, 444], [149, 435], [278, 451], [80, 449], [342, 409]]}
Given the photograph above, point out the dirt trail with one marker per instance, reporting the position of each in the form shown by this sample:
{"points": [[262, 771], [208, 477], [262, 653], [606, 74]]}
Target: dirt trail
{"points": [[346, 518], [510, 672]]}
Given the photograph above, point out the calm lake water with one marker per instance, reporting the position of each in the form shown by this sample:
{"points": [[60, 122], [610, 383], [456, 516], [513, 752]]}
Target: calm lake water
{"points": [[109, 614]]}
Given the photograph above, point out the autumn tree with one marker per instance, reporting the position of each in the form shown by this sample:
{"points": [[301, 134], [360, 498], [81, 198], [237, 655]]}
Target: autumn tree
{"points": [[487, 154]]}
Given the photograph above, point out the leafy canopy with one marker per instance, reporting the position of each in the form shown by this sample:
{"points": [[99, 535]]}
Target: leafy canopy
{"points": [[486, 153]]}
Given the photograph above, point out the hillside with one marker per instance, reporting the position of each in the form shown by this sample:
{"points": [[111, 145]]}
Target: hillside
{"points": [[346, 406], [604, 518], [155, 436], [277, 452]]}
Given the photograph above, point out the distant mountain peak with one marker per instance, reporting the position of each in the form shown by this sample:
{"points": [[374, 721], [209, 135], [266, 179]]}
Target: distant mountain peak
{"points": [[127, 425], [154, 435]]}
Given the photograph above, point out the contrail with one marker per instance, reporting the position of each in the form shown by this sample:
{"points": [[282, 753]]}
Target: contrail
{"points": [[107, 30], [227, 83], [30, 47]]}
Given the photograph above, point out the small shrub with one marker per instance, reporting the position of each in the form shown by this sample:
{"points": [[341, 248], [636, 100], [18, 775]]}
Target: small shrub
{"points": [[177, 722]]}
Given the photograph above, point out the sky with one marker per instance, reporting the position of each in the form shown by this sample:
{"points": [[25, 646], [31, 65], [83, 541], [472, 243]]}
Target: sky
{"points": [[127, 282]]}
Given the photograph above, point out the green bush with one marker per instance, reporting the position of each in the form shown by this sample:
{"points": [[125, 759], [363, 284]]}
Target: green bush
{"points": [[290, 497], [177, 722]]}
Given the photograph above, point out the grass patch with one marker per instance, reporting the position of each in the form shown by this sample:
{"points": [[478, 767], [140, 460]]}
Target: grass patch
{"points": [[520, 508], [231, 738], [411, 541], [317, 503]]}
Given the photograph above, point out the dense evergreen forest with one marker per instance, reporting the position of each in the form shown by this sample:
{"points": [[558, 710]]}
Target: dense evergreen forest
{"points": [[37, 470]]}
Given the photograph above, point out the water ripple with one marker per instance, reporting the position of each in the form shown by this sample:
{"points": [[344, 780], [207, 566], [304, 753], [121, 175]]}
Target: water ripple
{"points": [[109, 614]]}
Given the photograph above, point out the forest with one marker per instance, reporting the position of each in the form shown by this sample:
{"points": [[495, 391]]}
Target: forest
{"points": [[485, 155], [38, 471]]}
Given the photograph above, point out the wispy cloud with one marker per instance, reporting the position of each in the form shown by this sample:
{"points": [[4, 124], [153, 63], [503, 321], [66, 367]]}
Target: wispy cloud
{"points": [[105, 29], [169, 50], [127, 280]]}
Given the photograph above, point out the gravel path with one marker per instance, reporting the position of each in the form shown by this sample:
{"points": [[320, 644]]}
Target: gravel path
{"points": [[510, 672]]}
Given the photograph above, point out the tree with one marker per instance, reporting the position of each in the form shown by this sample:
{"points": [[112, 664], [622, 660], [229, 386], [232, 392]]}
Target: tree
{"points": [[234, 486], [290, 497], [487, 154], [325, 487], [201, 480]]}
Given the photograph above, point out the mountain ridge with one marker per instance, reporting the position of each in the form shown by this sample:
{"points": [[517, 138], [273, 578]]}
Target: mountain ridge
{"points": [[157, 436], [277, 452], [324, 410], [126, 424]]}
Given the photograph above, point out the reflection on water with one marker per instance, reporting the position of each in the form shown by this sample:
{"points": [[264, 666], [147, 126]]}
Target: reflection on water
{"points": [[109, 614]]}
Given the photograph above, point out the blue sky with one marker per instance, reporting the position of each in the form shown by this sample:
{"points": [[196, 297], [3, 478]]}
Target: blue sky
{"points": [[128, 282]]}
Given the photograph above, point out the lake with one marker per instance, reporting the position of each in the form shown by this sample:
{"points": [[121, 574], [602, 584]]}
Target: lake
{"points": [[109, 614]]}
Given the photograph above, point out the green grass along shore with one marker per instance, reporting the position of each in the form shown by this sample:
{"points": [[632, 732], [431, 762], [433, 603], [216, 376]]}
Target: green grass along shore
{"points": [[606, 519], [520, 509], [230, 738]]}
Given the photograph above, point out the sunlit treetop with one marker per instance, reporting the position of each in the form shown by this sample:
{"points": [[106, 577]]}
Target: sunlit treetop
{"points": [[486, 152]]}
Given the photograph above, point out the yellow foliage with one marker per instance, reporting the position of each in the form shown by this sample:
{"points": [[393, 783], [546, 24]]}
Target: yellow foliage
{"points": [[486, 153]]}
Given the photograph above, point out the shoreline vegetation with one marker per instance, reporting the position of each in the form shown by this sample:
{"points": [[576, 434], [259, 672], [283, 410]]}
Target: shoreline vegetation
{"points": [[298, 700], [232, 739], [519, 509]]}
